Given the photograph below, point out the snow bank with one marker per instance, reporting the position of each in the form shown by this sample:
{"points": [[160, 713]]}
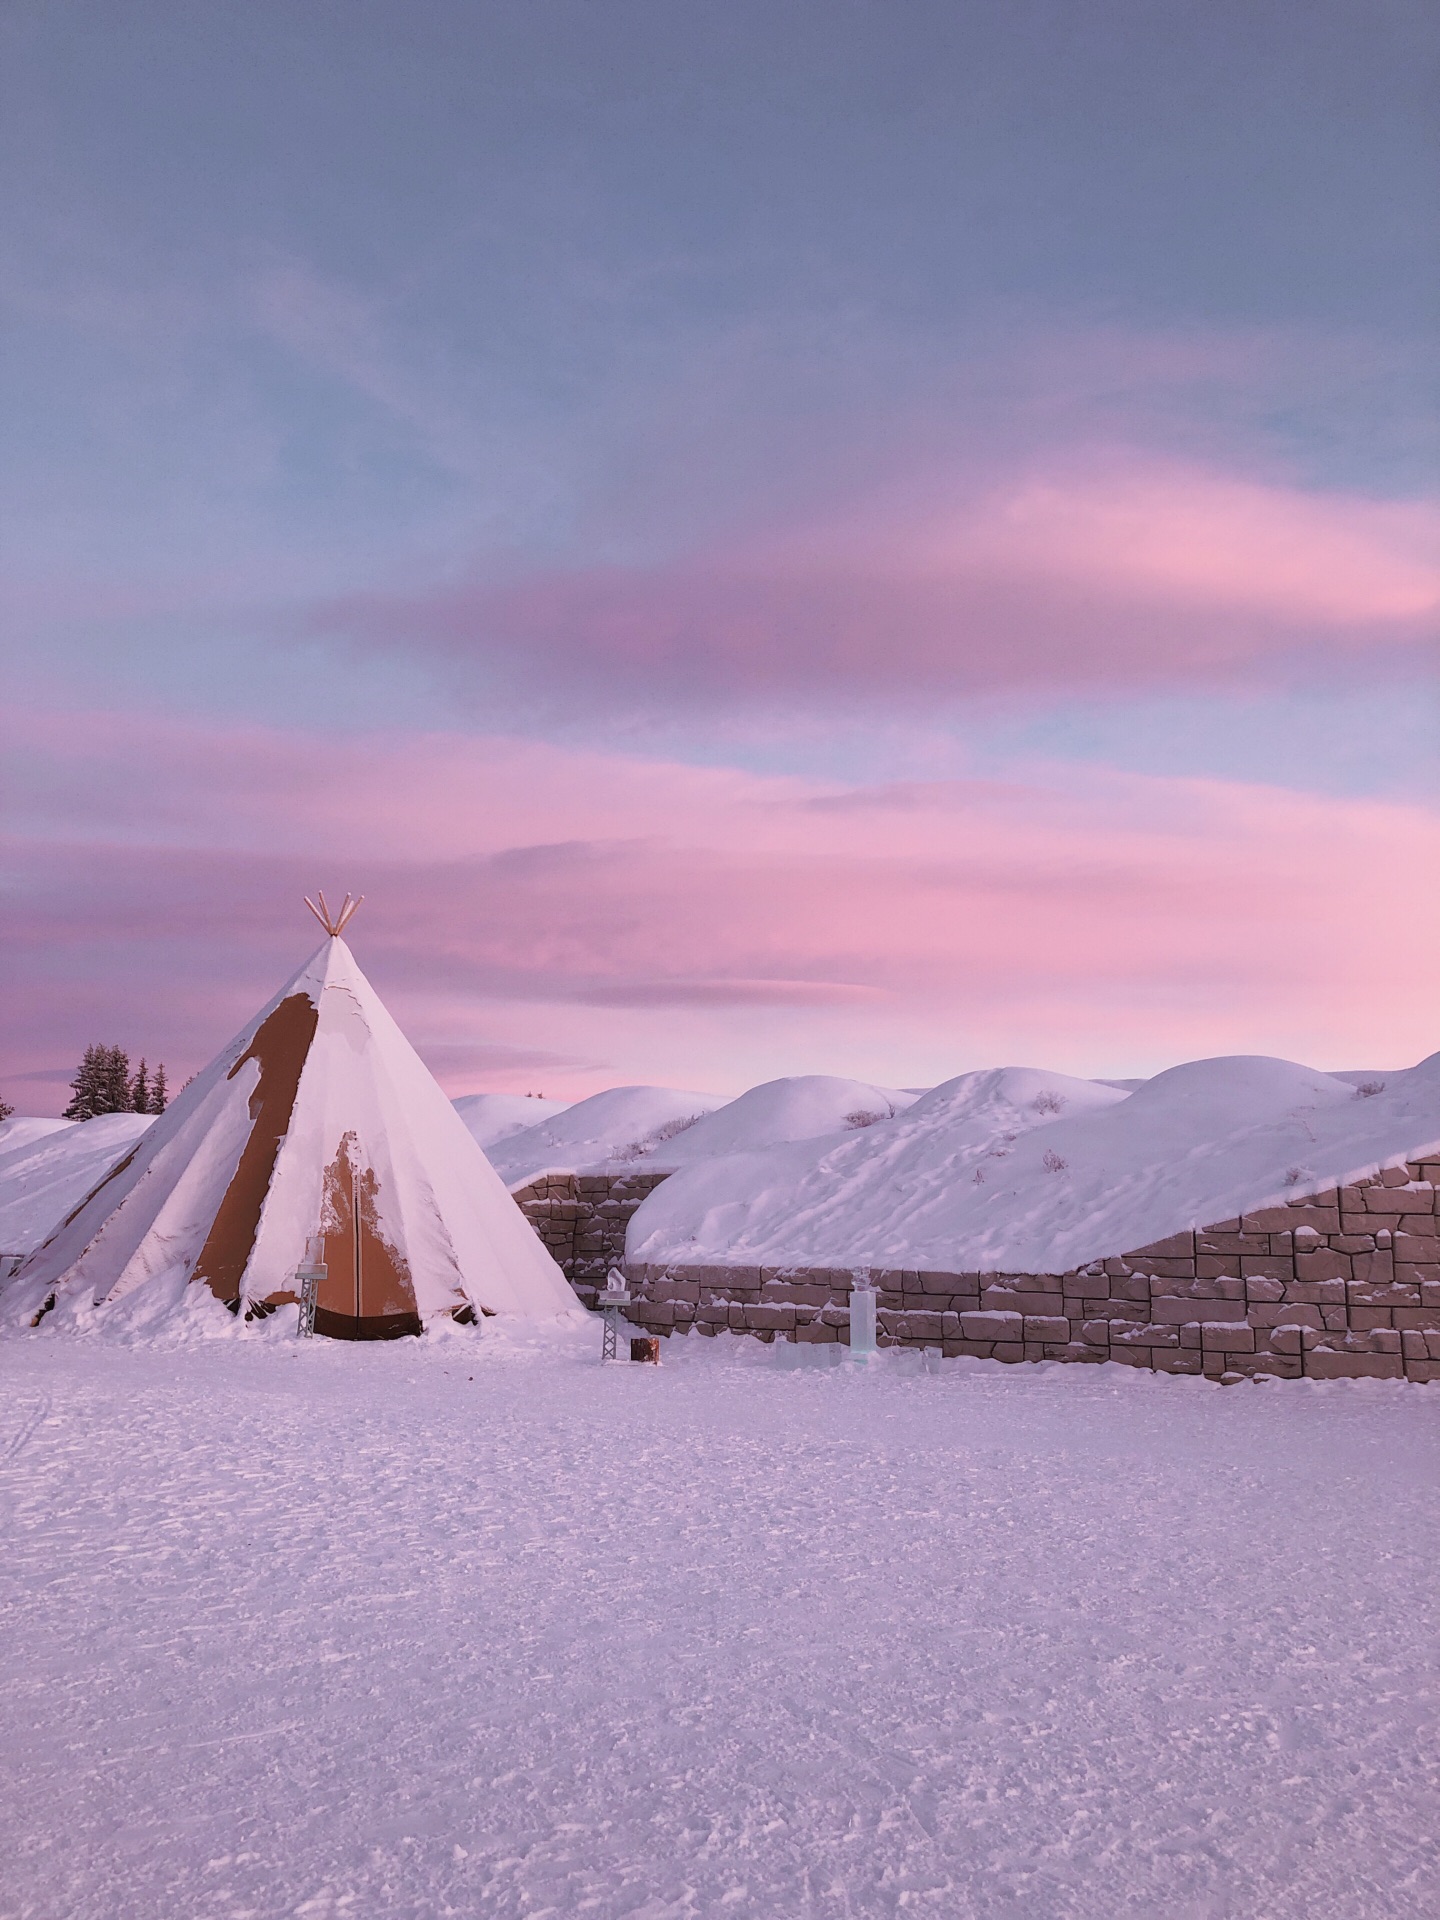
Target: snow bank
{"points": [[47, 1167], [1018, 1171]]}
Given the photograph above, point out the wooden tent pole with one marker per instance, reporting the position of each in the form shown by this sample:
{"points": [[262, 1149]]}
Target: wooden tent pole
{"points": [[334, 923]]}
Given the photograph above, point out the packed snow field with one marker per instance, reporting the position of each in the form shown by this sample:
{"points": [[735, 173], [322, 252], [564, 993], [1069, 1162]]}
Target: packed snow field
{"points": [[472, 1625]]}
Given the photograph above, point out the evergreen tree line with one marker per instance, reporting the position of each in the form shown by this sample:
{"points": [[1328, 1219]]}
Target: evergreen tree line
{"points": [[103, 1083]]}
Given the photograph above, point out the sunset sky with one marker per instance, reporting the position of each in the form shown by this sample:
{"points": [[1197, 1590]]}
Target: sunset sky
{"points": [[764, 537]]}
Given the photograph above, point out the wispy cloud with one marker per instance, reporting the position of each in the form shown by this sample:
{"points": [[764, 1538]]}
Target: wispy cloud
{"points": [[1117, 571], [703, 926]]}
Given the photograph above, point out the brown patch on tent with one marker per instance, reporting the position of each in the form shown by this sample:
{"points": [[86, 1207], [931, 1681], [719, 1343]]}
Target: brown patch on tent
{"points": [[281, 1045], [367, 1292]]}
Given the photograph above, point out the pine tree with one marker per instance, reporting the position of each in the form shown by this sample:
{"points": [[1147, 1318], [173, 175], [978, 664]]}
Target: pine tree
{"points": [[159, 1094], [85, 1087], [101, 1084], [140, 1089], [116, 1081]]}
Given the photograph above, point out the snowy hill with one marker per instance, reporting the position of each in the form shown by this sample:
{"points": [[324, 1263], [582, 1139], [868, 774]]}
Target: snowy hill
{"points": [[48, 1166], [661, 1129], [1020, 1171], [495, 1116], [803, 1107], [615, 1128]]}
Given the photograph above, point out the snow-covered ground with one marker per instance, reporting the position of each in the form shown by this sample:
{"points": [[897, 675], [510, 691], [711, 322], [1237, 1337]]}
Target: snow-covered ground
{"points": [[471, 1626], [1018, 1170]]}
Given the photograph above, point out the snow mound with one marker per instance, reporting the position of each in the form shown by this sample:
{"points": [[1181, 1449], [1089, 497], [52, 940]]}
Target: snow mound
{"points": [[803, 1107], [50, 1168], [1018, 1171], [613, 1129], [495, 1116]]}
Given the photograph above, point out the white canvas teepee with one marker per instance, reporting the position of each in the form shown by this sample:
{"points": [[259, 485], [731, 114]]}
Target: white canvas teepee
{"points": [[319, 1118]]}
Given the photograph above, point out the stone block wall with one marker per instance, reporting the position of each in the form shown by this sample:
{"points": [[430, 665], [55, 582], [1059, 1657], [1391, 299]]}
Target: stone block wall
{"points": [[581, 1218], [1329, 1285]]}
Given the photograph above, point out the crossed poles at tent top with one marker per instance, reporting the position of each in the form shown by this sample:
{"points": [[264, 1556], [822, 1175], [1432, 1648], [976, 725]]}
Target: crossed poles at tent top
{"points": [[334, 923]]}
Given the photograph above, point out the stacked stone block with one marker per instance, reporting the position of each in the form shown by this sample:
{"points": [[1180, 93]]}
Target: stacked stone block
{"points": [[1336, 1284], [582, 1219]]}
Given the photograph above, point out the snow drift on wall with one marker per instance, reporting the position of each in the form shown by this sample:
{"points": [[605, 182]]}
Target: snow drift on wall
{"points": [[1013, 1170]]}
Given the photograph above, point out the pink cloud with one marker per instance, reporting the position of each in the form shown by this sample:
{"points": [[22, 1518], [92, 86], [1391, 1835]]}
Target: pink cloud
{"points": [[1107, 570], [1183, 536], [621, 919]]}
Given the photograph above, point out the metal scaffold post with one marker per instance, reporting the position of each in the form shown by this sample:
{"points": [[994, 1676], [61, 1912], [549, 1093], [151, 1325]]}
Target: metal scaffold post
{"points": [[612, 1303], [310, 1275]]}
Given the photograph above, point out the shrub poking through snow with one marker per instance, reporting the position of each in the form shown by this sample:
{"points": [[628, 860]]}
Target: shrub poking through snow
{"points": [[667, 1130], [1052, 1162], [863, 1119], [1049, 1102], [1368, 1089]]}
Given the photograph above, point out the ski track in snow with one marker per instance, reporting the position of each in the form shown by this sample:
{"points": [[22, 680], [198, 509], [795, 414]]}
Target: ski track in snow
{"points": [[341, 1631], [25, 1430]]}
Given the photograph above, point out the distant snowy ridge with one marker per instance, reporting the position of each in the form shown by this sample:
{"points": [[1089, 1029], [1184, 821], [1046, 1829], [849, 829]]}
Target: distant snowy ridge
{"points": [[1013, 1170]]}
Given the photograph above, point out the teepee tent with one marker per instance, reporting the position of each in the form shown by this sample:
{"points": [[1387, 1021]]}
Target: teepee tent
{"points": [[319, 1118]]}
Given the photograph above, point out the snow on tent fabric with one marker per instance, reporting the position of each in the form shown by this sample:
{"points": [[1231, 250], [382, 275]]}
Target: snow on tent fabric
{"points": [[319, 1117]]}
